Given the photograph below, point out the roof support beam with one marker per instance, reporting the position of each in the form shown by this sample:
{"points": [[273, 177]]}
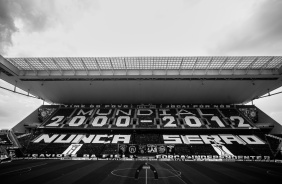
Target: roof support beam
{"points": [[125, 66], [179, 70], [98, 66], [194, 66], [112, 66], [224, 62], [84, 66], [74, 71], [139, 67], [60, 69], [153, 66], [14, 63], [277, 67], [209, 65], [46, 68], [235, 67], [251, 64], [265, 65], [30, 65], [15, 86], [166, 67]]}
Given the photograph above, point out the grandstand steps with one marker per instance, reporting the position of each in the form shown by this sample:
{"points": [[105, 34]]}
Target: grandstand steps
{"points": [[272, 144], [3, 151], [102, 149], [273, 136], [225, 121]]}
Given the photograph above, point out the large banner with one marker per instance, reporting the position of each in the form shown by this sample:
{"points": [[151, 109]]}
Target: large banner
{"points": [[4, 140], [149, 148], [167, 117]]}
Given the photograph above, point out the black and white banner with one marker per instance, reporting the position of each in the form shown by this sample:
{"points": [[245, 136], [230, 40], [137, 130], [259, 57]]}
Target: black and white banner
{"points": [[72, 149], [221, 150], [152, 148]]}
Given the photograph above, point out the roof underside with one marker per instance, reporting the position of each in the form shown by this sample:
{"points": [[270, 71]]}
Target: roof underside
{"points": [[133, 80]]}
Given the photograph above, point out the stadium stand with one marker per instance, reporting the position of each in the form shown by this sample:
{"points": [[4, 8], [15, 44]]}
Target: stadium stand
{"points": [[183, 149], [277, 135], [110, 149], [75, 129], [261, 150], [200, 149], [239, 149], [60, 117], [213, 118], [274, 142], [177, 107], [5, 140], [54, 148], [24, 139], [147, 139], [90, 149], [146, 118], [235, 117]]}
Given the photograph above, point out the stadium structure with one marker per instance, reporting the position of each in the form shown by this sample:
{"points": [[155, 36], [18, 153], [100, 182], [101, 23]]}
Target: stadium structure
{"points": [[145, 109]]}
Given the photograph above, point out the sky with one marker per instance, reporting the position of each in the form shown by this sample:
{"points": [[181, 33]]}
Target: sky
{"points": [[106, 28]]}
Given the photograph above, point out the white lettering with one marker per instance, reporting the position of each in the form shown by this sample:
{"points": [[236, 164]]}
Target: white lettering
{"points": [[74, 122], [123, 112], [197, 122], [57, 122], [172, 139], [191, 139], [103, 114], [85, 113], [251, 139], [99, 121], [142, 112], [68, 140], [46, 138], [125, 139], [228, 139], [123, 121]]}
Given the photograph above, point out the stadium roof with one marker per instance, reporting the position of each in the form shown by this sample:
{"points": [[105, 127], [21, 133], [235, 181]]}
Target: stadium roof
{"points": [[146, 63], [145, 79]]}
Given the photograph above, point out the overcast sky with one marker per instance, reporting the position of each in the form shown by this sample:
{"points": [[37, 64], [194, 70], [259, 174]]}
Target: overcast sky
{"points": [[82, 28]]}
